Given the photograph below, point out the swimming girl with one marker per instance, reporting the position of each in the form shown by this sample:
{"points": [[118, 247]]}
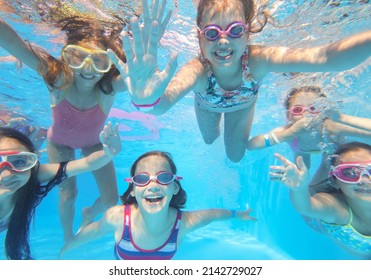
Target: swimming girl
{"points": [[150, 225], [227, 74], [313, 127], [82, 85], [24, 182], [344, 213]]}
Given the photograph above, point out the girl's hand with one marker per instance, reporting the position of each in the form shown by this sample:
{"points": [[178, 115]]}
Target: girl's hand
{"points": [[293, 176], [145, 82], [157, 15], [110, 139], [245, 215]]}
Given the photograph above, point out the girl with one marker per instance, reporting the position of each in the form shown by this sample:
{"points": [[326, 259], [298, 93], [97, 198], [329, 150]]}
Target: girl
{"points": [[150, 224], [24, 182], [308, 131], [82, 85], [344, 213], [226, 76]]}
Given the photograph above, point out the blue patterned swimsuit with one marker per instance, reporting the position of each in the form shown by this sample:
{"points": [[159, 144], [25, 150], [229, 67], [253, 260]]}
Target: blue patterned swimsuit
{"points": [[219, 100]]}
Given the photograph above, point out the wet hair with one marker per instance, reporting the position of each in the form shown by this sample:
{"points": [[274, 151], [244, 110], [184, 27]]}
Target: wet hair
{"points": [[105, 35], [347, 147], [256, 19], [178, 201], [294, 91], [26, 199]]}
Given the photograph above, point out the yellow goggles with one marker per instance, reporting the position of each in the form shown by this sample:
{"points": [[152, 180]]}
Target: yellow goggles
{"points": [[76, 57]]}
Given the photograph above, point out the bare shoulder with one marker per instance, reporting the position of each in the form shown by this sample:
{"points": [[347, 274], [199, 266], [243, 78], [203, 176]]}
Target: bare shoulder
{"points": [[115, 214]]}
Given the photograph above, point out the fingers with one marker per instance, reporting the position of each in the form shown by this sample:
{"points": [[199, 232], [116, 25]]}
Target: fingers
{"points": [[172, 65], [128, 49], [284, 160], [153, 40], [120, 65], [138, 41], [301, 164], [145, 9]]}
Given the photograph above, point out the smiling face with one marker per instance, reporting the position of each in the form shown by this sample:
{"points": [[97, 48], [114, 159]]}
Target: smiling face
{"points": [[11, 181], [361, 189], [78, 55], [154, 197], [224, 51]]}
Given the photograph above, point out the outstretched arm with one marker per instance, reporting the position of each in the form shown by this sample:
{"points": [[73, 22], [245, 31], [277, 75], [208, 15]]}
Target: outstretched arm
{"points": [[324, 206], [96, 230], [111, 141], [338, 56], [15, 45], [194, 220]]}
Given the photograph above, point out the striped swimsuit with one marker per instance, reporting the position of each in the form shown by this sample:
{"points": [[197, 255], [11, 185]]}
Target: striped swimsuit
{"points": [[126, 249]]}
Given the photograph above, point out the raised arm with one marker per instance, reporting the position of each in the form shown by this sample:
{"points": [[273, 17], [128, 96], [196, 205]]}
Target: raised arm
{"points": [[16, 46], [338, 56], [111, 141], [324, 206], [355, 127], [141, 75]]}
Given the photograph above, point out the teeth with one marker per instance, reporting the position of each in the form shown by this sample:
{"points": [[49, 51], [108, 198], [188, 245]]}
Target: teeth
{"points": [[223, 53], [153, 198]]}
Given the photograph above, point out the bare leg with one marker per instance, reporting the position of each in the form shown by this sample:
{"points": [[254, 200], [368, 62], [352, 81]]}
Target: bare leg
{"points": [[67, 189], [208, 123], [107, 185], [237, 126]]}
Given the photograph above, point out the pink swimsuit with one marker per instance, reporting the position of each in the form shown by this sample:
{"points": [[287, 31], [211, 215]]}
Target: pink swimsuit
{"points": [[76, 128]]}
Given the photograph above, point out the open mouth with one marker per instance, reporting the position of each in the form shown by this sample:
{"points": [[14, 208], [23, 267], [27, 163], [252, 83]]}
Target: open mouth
{"points": [[88, 77], [154, 199], [224, 54]]}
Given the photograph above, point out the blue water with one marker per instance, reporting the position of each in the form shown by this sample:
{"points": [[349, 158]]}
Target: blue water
{"points": [[210, 179]]}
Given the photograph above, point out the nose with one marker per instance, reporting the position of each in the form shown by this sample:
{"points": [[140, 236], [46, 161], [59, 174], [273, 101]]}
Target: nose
{"points": [[223, 41], [5, 174], [365, 176]]}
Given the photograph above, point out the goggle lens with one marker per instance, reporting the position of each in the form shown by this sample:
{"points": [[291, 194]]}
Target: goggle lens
{"points": [[143, 179], [351, 173], [76, 57], [234, 30], [298, 109], [18, 162]]}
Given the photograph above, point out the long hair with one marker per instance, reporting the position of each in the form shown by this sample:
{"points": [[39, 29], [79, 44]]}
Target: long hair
{"points": [[26, 199], [81, 30], [178, 201]]}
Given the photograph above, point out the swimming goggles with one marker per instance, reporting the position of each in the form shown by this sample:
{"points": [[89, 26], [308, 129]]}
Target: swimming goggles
{"points": [[77, 57], [18, 161], [299, 110], [234, 30], [162, 177], [351, 172]]}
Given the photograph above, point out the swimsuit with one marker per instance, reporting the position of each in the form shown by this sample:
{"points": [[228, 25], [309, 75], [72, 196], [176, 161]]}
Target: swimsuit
{"points": [[126, 249], [347, 236], [76, 128], [217, 99]]}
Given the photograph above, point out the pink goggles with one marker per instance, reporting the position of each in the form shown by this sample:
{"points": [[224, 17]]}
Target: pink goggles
{"points": [[162, 177], [299, 110], [18, 161], [235, 30], [351, 172]]}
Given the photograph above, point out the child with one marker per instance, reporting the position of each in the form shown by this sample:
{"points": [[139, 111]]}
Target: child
{"points": [[24, 182], [309, 131], [344, 213], [150, 225], [227, 74], [82, 85]]}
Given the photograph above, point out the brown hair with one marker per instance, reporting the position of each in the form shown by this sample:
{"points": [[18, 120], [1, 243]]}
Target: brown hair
{"points": [[294, 91], [81, 30]]}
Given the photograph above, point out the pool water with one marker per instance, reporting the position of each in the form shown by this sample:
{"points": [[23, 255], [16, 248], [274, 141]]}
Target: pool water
{"points": [[210, 179]]}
